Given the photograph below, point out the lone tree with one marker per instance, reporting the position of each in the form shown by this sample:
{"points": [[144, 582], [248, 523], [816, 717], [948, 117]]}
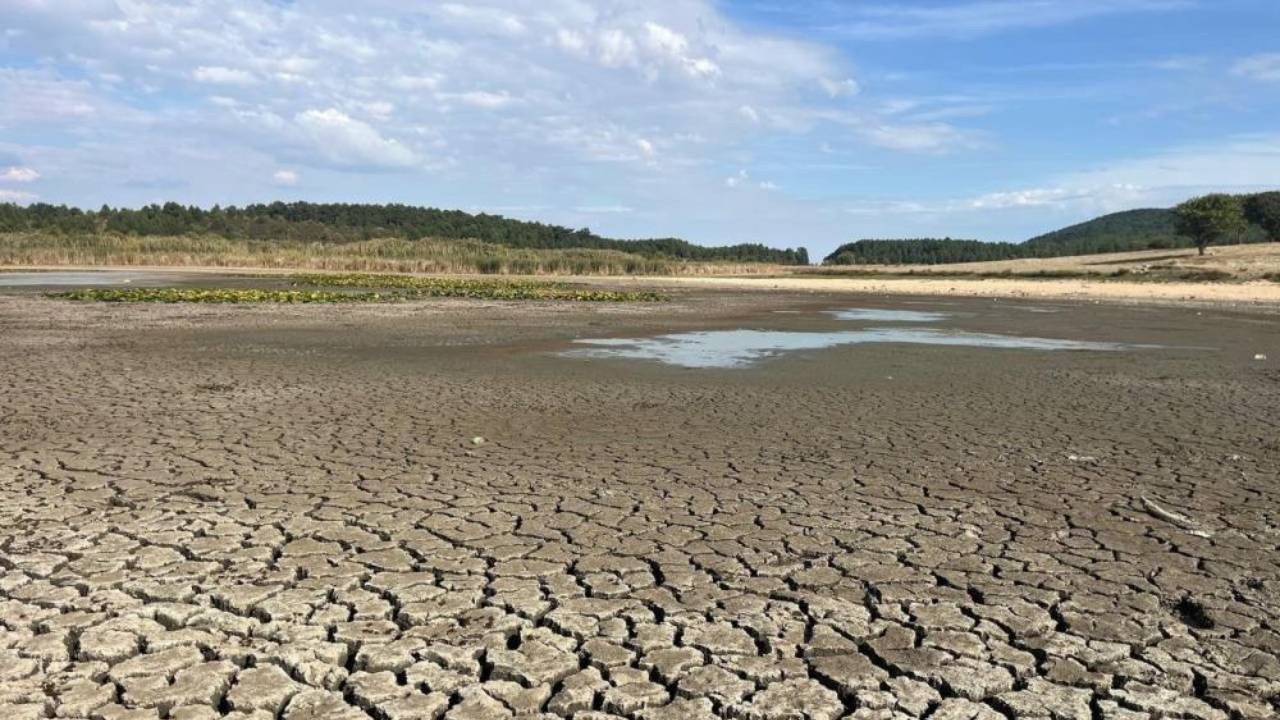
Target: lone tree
{"points": [[1263, 210], [1209, 218]]}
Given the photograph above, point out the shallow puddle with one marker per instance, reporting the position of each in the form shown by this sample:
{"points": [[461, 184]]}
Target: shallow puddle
{"points": [[739, 348], [92, 277], [874, 315]]}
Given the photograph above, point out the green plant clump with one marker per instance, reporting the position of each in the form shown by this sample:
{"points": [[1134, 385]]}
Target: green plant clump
{"points": [[487, 289], [200, 295]]}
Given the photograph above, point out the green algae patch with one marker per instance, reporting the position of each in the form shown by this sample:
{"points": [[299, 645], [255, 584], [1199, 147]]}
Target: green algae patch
{"points": [[218, 296], [478, 288]]}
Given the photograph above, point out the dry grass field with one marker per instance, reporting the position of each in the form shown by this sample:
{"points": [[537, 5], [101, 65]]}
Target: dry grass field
{"points": [[1230, 262]]}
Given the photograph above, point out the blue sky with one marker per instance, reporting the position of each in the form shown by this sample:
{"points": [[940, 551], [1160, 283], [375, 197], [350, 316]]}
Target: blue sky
{"points": [[789, 123]]}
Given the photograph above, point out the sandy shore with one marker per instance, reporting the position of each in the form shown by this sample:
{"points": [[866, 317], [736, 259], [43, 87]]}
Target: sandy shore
{"points": [[1256, 292]]}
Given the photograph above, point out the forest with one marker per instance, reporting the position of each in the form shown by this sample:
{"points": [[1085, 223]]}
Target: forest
{"points": [[1144, 229], [347, 223]]}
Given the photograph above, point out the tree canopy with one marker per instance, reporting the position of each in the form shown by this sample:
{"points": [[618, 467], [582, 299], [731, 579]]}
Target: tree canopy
{"points": [[342, 222], [1263, 210], [1210, 218]]}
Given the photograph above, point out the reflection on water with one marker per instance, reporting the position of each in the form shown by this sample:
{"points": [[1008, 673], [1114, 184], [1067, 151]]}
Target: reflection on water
{"points": [[739, 348], [91, 277], [870, 315]]}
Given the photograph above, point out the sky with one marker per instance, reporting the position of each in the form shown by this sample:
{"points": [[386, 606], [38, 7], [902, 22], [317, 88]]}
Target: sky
{"points": [[777, 121]]}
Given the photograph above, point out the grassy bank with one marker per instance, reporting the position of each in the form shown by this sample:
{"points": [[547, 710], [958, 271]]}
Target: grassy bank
{"points": [[378, 255]]}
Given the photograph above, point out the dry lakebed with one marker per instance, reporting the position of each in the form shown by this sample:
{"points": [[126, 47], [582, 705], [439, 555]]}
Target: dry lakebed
{"points": [[769, 506]]}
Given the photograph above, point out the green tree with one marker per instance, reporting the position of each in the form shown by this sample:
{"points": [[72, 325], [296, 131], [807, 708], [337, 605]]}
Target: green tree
{"points": [[1209, 218], [1263, 210]]}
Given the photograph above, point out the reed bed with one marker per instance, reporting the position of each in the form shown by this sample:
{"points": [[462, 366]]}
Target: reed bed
{"points": [[367, 256]]}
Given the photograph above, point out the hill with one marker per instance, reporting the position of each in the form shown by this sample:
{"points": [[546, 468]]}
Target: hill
{"points": [[1127, 231], [348, 223], [1144, 229]]}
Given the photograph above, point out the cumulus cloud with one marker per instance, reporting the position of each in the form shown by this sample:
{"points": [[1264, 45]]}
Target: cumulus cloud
{"points": [[20, 174], [494, 103], [1242, 164], [848, 87], [217, 75], [346, 141]]}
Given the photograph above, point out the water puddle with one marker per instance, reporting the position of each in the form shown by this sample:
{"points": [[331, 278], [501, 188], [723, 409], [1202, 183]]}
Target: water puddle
{"points": [[58, 278], [872, 315], [739, 348]]}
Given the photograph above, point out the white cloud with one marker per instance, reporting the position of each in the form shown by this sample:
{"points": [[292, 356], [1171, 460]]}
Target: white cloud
{"points": [[483, 19], [217, 75], [380, 109], [285, 177], [674, 48], [346, 141], [17, 196], [980, 17], [847, 87], [1243, 164], [743, 179], [917, 137], [416, 82], [482, 99], [1264, 67], [20, 174]]}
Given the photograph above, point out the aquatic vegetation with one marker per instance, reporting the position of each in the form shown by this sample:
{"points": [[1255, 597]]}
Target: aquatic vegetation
{"points": [[217, 295], [377, 288], [480, 288]]}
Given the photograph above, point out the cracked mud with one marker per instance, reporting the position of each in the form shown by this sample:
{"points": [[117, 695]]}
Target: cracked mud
{"points": [[281, 513]]}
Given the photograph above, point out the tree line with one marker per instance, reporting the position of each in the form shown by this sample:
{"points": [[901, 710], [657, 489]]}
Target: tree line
{"points": [[342, 222], [1222, 218], [1212, 219]]}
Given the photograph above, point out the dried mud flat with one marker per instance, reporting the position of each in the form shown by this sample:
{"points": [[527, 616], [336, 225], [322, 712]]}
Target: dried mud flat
{"points": [[281, 512]]}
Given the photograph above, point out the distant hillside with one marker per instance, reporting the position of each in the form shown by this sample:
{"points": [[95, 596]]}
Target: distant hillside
{"points": [[1145, 229], [342, 223]]}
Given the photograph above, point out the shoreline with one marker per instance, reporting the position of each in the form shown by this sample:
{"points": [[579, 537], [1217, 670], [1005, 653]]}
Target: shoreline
{"points": [[1261, 294]]}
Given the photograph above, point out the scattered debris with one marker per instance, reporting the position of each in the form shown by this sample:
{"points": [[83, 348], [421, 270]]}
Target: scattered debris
{"points": [[1175, 518]]}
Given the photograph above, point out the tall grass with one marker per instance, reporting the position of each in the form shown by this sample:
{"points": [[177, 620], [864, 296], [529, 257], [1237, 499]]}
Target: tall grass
{"points": [[377, 255]]}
